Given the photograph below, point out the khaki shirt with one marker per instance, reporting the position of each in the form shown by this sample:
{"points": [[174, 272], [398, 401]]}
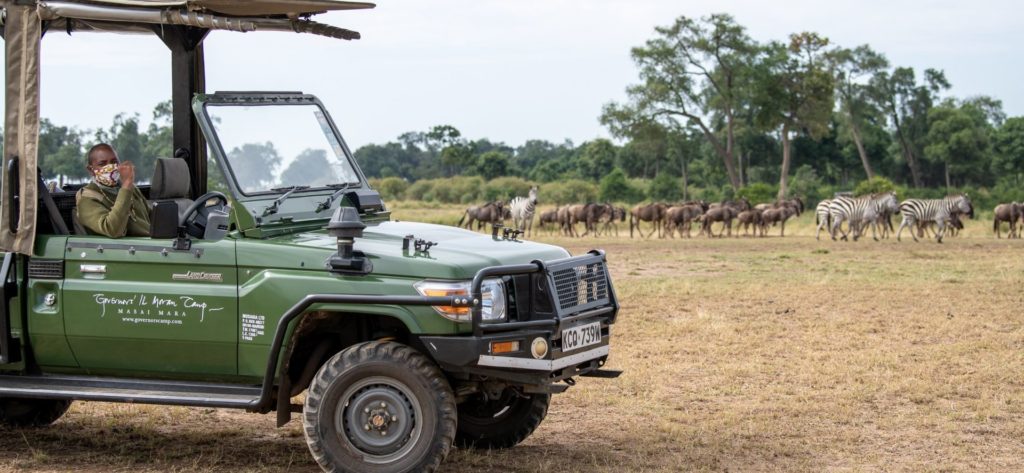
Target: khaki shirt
{"points": [[113, 211]]}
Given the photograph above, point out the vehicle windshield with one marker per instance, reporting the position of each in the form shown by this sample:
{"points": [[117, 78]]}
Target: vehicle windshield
{"points": [[274, 147]]}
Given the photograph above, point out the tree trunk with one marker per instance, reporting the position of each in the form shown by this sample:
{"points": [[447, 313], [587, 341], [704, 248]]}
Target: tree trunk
{"points": [[948, 184], [915, 171], [783, 177], [855, 130], [724, 152], [730, 146], [686, 180], [739, 167]]}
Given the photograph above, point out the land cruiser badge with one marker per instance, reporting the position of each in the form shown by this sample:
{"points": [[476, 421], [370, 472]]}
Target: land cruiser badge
{"points": [[198, 276]]}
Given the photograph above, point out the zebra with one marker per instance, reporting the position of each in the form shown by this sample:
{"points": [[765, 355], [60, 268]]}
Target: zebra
{"points": [[939, 211], [859, 212], [522, 209], [822, 217]]}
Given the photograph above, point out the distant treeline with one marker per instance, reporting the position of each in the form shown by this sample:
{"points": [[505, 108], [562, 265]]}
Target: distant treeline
{"points": [[719, 114]]}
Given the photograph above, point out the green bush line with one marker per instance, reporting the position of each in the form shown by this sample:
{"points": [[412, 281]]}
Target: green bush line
{"points": [[615, 187]]}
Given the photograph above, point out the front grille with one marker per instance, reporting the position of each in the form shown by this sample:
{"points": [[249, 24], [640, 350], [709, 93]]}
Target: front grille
{"points": [[45, 269], [578, 284]]}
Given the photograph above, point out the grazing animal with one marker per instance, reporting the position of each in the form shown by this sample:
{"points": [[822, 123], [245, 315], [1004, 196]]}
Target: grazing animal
{"points": [[491, 212], [522, 210], [822, 217], [939, 211], [618, 214], [860, 212], [591, 214], [777, 216], [563, 220], [654, 213], [681, 218], [722, 213], [752, 217], [547, 220], [1009, 213]]}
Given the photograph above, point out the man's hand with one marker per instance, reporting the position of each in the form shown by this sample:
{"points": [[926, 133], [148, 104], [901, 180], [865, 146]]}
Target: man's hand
{"points": [[127, 172]]}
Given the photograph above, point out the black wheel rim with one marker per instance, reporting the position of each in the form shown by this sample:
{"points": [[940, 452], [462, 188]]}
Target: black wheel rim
{"points": [[380, 418]]}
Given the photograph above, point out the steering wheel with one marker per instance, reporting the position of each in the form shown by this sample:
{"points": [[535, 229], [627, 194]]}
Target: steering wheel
{"points": [[193, 219]]}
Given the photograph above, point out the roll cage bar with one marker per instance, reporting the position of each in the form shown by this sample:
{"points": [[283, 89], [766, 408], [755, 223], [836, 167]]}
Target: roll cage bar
{"points": [[181, 24]]}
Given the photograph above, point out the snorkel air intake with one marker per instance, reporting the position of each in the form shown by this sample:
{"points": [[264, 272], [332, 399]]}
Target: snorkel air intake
{"points": [[346, 227]]}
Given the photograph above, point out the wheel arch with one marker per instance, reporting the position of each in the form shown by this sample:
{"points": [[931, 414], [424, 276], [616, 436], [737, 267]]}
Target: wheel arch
{"points": [[321, 332]]}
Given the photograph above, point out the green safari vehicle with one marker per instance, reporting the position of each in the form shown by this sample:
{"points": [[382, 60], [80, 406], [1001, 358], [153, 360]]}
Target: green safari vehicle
{"points": [[291, 277]]}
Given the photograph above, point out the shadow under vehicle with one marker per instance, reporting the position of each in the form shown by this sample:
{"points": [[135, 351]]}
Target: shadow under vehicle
{"points": [[406, 338]]}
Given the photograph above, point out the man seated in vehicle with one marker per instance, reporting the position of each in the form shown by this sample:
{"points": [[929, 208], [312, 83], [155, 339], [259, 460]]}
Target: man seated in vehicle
{"points": [[110, 204]]}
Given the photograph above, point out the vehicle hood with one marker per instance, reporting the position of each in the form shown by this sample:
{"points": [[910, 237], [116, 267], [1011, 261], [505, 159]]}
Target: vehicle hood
{"points": [[458, 253]]}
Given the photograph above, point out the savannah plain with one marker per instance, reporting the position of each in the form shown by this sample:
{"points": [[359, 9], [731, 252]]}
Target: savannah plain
{"points": [[740, 354]]}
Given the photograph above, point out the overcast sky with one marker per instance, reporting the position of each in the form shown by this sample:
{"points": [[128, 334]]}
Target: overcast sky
{"points": [[513, 70]]}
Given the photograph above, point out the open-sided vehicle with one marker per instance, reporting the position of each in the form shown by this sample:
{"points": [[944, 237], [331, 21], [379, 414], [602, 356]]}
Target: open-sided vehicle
{"points": [[406, 338]]}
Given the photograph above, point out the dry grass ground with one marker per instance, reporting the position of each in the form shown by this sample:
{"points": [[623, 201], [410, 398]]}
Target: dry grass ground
{"points": [[742, 354]]}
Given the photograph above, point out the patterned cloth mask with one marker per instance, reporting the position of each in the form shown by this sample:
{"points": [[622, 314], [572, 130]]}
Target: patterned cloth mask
{"points": [[107, 175]]}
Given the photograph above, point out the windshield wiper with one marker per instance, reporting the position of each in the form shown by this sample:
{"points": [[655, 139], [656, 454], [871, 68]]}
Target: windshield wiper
{"points": [[272, 208], [326, 204]]}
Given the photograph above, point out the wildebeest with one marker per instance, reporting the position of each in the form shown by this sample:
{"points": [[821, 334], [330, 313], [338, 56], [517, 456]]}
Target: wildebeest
{"points": [[617, 214], [491, 212], [547, 218], [681, 218], [777, 216], [654, 213], [721, 213], [1009, 213], [563, 221], [592, 214], [752, 217]]}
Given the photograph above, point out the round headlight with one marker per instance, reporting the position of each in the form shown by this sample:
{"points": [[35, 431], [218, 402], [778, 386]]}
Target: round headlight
{"points": [[493, 300], [539, 348]]}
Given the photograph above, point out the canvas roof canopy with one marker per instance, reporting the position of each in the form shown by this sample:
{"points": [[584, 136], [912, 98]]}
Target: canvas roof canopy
{"points": [[181, 24]]}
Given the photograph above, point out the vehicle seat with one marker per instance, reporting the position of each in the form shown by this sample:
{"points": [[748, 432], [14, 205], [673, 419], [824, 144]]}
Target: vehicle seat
{"points": [[171, 183]]}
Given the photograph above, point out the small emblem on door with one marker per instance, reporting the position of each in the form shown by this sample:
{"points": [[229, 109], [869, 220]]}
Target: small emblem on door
{"points": [[198, 276]]}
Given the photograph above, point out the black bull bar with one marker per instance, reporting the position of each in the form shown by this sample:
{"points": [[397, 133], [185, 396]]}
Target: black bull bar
{"points": [[579, 286]]}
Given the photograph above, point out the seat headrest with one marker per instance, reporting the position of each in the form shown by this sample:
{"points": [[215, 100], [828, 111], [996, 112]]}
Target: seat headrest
{"points": [[170, 179]]}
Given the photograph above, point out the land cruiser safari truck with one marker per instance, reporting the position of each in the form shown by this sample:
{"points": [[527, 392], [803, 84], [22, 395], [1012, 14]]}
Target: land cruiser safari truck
{"points": [[406, 338]]}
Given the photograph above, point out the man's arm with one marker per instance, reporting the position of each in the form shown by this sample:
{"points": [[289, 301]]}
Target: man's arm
{"points": [[112, 223]]}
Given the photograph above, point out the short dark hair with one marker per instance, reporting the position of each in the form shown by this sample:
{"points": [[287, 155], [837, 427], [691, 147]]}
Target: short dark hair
{"points": [[97, 147]]}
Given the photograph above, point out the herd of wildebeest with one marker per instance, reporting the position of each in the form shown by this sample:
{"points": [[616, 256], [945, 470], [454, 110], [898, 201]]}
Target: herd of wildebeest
{"points": [[938, 217]]}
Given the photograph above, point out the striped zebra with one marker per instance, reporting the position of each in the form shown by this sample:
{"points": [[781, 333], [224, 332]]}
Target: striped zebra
{"points": [[860, 212], [523, 209], [939, 211], [822, 217]]}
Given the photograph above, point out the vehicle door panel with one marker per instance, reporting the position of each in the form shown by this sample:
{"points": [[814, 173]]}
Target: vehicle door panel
{"points": [[137, 304]]}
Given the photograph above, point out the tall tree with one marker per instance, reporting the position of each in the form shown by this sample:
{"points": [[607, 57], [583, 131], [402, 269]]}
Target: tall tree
{"points": [[1008, 144], [795, 92], [852, 66], [690, 71], [959, 137], [907, 105]]}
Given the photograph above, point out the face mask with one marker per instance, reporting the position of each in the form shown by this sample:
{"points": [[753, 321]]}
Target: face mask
{"points": [[107, 175]]}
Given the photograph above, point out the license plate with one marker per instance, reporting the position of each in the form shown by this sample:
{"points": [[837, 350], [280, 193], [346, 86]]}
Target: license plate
{"points": [[581, 336]]}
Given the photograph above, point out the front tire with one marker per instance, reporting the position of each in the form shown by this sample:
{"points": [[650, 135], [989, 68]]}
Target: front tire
{"points": [[500, 423], [20, 412], [379, 407]]}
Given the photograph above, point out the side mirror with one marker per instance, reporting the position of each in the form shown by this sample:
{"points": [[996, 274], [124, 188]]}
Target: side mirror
{"points": [[163, 220], [218, 221]]}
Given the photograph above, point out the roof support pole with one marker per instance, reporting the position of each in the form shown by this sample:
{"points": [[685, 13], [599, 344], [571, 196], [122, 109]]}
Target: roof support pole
{"points": [[188, 78]]}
